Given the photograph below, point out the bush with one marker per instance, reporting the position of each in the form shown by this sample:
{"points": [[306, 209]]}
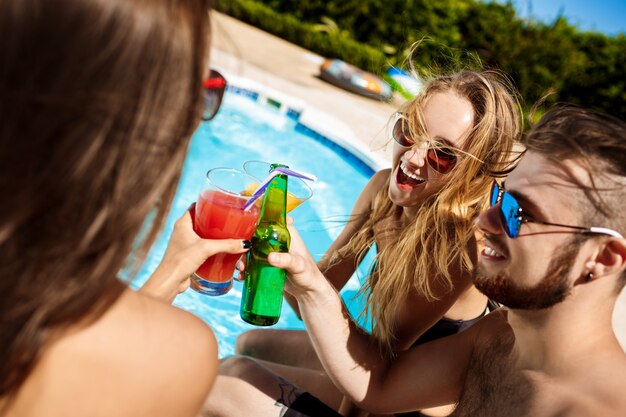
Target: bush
{"points": [[577, 67], [286, 26]]}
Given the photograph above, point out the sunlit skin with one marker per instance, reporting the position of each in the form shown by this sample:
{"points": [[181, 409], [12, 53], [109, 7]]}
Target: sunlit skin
{"points": [[562, 360], [559, 360], [546, 198], [448, 119], [553, 288]]}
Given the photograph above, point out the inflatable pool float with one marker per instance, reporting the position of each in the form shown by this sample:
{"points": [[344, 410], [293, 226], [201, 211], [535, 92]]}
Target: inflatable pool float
{"points": [[402, 82], [349, 77]]}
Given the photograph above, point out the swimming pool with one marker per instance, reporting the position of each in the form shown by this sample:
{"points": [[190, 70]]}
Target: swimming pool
{"points": [[247, 130]]}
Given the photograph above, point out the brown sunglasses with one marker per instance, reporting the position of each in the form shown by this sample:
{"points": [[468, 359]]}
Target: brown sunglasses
{"points": [[440, 158], [213, 93]]}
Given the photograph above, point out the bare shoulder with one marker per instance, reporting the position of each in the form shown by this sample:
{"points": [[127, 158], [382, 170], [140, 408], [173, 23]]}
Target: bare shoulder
{"points": [[491, 327], [142, 357], [380, 179], [598, 382], [599, 385], [596, 392]]}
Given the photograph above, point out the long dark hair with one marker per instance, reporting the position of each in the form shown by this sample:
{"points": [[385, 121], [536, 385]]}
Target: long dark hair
{"points": [[98, 101]]}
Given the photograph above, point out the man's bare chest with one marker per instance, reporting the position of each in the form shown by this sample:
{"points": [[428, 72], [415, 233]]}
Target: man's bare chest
{"points": [[493, 387]]}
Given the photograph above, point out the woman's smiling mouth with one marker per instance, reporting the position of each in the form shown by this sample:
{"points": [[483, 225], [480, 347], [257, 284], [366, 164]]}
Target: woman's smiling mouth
{"points": [[406, 179]]}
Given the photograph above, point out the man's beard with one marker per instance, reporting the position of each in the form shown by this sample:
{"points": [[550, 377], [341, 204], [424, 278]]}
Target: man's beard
{"points": [[552, 289]]}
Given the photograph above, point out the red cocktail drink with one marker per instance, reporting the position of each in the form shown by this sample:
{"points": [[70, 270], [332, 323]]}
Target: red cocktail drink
{"points": [[220, 215]]}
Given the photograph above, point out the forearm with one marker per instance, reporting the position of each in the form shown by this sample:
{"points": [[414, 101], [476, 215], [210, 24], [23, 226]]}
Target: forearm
{"points": [[293, 302], [348, 355], [160, 285], [337, 275], [360, 370]]}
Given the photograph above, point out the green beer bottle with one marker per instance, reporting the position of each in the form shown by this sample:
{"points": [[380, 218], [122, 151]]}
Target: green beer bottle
{"points": [[262, 296]]}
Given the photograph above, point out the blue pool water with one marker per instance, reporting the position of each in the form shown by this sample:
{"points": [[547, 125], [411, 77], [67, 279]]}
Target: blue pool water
{"points": [[246, 130]]}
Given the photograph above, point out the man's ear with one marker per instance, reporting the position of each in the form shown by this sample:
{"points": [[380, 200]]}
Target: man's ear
{"points": [[610, 258]]}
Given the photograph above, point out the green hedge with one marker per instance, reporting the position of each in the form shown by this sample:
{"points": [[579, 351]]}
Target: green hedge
{"points": [[285, 26], [583, 68]]}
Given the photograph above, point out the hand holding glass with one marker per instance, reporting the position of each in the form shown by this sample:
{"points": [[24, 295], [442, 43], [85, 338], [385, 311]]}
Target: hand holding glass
{"points": [[220, 215]]}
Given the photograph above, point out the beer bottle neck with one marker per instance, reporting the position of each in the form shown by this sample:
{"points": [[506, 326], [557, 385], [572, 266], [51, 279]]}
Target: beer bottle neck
{"points": [[274, 208]]}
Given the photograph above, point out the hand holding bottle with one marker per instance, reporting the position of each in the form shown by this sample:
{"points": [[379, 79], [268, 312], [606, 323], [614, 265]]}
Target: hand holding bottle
{"points": [[262, 294], [303, 275]]}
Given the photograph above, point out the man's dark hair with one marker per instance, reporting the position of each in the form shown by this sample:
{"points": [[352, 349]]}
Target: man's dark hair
{"points": [[598, 141]]}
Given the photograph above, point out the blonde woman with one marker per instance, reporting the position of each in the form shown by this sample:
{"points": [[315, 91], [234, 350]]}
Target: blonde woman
{"points": [[448, 144]]}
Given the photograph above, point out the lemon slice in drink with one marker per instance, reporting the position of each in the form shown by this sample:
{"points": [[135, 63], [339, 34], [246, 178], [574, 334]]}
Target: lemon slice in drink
{"points": [[292, 200]]}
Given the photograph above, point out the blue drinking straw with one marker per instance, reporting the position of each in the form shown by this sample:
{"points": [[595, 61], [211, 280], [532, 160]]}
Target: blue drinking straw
{"points": [[278, 170]]}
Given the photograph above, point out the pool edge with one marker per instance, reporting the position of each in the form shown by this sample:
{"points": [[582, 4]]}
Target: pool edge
{"points": [[311, 121]]}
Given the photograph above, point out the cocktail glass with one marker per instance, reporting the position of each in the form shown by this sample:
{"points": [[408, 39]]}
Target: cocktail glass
{"points": [[220, 215], [298, 191]]}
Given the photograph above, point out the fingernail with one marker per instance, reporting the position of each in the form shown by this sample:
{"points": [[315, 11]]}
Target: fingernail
{"points": [[246, 244]]}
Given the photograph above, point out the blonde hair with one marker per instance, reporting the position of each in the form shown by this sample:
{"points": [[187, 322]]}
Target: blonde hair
{"points": [[438, 237]]}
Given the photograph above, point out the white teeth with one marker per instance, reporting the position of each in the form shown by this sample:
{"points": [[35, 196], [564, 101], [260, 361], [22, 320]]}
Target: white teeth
{"points": [[491, 252], [408, 173]]}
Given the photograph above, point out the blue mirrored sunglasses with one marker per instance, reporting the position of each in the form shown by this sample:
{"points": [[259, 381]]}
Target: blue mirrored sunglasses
{"points": [[512, 215]]}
